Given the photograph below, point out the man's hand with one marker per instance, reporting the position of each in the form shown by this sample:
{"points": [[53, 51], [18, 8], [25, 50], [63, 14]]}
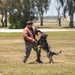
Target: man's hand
{"points": [[33, 40]]}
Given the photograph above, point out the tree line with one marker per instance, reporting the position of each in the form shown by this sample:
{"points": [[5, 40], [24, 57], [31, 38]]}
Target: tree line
{"points": [[20, 11]]}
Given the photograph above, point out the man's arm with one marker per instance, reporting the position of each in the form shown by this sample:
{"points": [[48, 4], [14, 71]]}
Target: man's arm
{"points": [[38, 32], [27, 37]]}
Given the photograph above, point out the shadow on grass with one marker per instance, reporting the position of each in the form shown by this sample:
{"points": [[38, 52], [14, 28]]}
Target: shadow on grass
{"points": [[43, 63], [35, 63]]}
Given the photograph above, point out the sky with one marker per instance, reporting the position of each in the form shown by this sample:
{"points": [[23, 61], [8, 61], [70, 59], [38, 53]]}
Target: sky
{"points": [[52, 9]]}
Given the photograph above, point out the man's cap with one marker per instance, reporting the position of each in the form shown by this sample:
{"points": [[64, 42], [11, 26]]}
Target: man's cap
{"points": [[29, 23]]}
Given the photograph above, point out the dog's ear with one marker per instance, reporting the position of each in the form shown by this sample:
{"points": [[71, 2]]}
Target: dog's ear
{"points": [[46, 35]]}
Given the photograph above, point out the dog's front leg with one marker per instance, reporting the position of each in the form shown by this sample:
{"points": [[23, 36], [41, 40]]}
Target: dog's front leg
{"points": [[39, 47]]}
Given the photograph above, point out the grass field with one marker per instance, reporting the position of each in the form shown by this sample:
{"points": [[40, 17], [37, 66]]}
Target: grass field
{"points": [[12, 52]]}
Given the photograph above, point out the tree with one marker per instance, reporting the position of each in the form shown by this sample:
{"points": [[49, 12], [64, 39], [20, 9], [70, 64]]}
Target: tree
{"points": [[20, 11], [4, 12], [15, 13], [59, 17], [58, 9], [42, 6], [28, 10], [69, 6], [1, 12], [57, 6]]}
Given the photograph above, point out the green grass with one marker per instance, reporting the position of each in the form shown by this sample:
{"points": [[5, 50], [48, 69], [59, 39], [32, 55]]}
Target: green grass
{"points": [[10, 35], [12, 52]]}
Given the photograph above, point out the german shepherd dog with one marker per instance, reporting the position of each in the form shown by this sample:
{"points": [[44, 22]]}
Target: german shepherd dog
{"points": [[43, 44]]}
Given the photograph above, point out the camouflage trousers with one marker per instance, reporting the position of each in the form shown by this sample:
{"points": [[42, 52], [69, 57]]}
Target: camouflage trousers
{"points": [[28, 48]]}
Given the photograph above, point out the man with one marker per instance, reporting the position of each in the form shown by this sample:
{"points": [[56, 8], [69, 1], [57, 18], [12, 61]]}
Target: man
{"points": [[29, 34]]}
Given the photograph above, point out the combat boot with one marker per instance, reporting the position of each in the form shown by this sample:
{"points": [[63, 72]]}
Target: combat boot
{"points": [[38, 58], [39, 61]]}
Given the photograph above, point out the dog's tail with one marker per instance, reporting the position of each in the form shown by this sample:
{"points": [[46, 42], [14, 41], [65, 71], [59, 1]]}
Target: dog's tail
{"points": [[56, 53], [50, 53]]}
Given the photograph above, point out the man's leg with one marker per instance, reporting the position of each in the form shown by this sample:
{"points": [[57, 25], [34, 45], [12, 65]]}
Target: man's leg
{"points": [[27, 52], [38, 57], [38, 52]]}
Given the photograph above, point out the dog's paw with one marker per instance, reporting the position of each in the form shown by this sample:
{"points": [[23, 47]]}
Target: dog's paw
{"points": [[60, 51]]}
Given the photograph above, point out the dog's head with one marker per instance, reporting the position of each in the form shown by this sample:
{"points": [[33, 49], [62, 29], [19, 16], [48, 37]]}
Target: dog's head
{"points": [[43, 42], [44, 36]]}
